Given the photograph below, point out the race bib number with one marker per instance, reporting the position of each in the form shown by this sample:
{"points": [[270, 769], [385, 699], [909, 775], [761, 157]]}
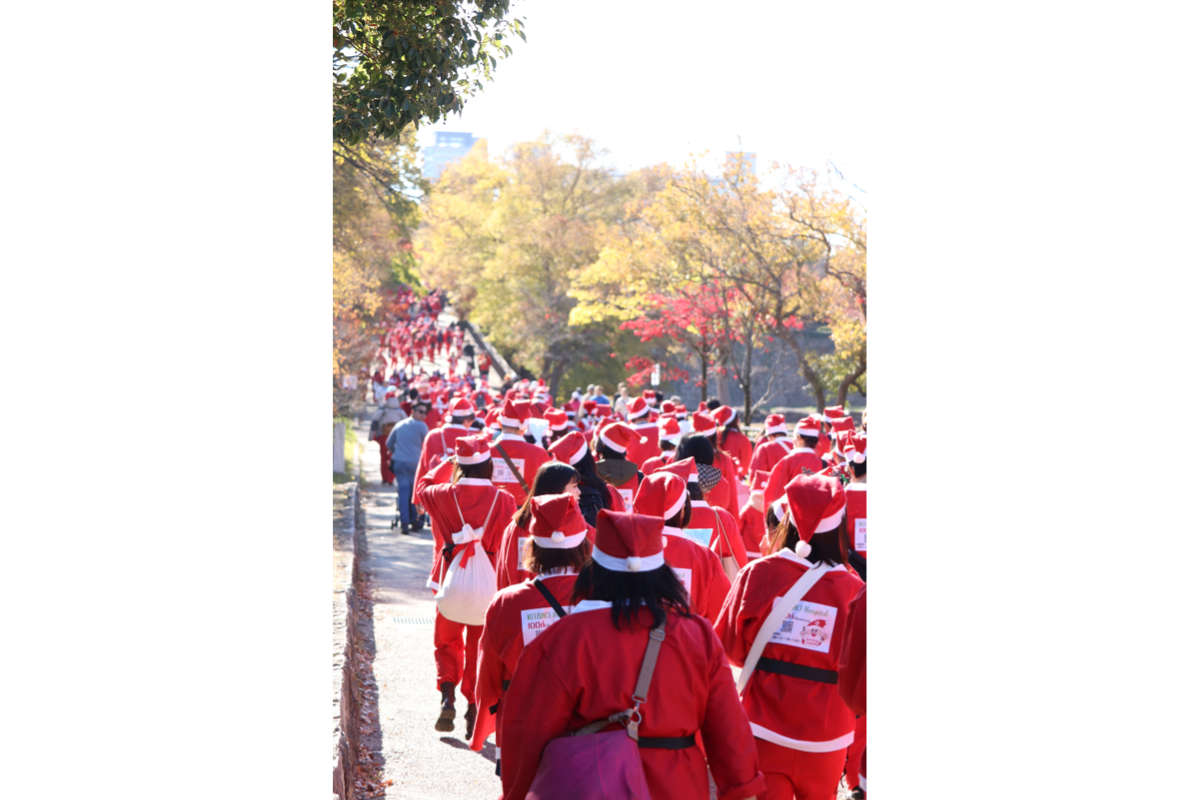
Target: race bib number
{"points": [[502, 474], [860, 534], [626, 498], [685, 577], [536, 620], [701, 536], [808, 625]]}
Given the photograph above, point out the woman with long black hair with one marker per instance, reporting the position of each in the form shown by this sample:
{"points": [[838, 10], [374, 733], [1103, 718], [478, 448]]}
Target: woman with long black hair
{"points": [[558, 546], [594, 493], [553, 477], [585, 669]]}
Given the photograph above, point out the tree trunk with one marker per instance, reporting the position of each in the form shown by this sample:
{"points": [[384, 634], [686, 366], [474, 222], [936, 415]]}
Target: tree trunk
{"points": [[556, 373], [703, 379], [807, 371], [849, 380]]}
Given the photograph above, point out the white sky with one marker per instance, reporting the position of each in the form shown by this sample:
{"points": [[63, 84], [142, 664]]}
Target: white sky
{"points": [[656, 80]]}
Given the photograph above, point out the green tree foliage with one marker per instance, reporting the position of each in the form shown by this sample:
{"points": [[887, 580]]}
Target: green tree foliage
{"points": [[398, 63], [373, 213], [507, 239], [781, 260]]}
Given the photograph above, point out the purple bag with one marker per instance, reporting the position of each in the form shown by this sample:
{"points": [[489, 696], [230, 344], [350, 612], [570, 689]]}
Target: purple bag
{"points": [[597, 766], [586, 765]]}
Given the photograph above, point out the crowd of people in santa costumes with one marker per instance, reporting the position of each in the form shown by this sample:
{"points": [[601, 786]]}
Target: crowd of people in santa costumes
{"points": [[563, 536]]}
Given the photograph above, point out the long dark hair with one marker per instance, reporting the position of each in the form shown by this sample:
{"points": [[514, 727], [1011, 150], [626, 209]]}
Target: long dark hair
{"points": [[552, 477], [732, 426], [697, 447], [828, 547], [607, 453], [586, 467], [658, 590]]}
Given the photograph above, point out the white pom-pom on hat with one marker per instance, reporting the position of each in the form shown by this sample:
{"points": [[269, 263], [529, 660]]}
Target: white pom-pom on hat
{"points": [[633, 563], [558, 536], [803, 549]]}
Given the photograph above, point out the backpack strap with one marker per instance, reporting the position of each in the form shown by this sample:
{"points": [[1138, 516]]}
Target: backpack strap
{"points": [[513, 469], [632, 717], [550, 598], [775, 620]]}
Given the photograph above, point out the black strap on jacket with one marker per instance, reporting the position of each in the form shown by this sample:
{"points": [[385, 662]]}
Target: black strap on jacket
{"points": [[667, 742], [550, 598], [797, 670]]}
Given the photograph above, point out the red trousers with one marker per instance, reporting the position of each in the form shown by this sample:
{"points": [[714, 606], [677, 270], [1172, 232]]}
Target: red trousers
{"points": [[856, 754], [799, 774], [453, 664], [385, 462]]}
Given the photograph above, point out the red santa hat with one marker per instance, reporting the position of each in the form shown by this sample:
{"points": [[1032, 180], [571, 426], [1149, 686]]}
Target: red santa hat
{"points": [[661, 494], [618, 436], [842, 425], [775, 423], [557, 419], [668, 407], [462, 407], [570, 449], [668, 430], [832, 413], [703, 424], [491, 417], [638, 408], [856, 449], [759, 481], [538, 409], [589, 406], [809, 426], [685, 469], [472, 449], [557, 522], [628, 542], [603, 410], [817, 503], [513, 413], [724, 415], [651, 397]]}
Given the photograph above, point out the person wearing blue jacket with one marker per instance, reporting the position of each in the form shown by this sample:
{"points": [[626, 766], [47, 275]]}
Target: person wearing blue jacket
{"points": [[404, 443]]}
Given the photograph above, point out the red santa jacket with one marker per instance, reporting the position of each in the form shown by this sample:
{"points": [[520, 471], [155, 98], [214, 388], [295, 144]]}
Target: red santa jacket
{"points": [[475, 497], [738, 446], [751, 524], [799, 461], [661, 460], [438, 444], [584, 669], [852, 663], [442, 473], [724, 535], [768, 454], [856, 516], [510, 568], [516, 616], [526, 459], [787, 710], [726, 497], [699, 570], [640, 450]]}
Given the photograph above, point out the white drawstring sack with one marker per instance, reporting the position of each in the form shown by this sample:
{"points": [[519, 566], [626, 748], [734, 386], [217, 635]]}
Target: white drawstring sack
{"points": [[469, 582]]}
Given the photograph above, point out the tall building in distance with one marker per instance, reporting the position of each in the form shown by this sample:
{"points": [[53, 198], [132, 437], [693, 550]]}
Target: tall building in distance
{"points": [[447, 147]]}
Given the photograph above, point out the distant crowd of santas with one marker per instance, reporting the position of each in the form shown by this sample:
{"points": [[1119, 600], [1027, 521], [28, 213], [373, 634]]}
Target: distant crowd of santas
{"points": [[750, 554]]}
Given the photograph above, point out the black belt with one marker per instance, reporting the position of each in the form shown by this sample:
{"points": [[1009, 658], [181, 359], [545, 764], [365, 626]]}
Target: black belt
{"points": [[797, 670], [495, 706], [668, 742]]}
